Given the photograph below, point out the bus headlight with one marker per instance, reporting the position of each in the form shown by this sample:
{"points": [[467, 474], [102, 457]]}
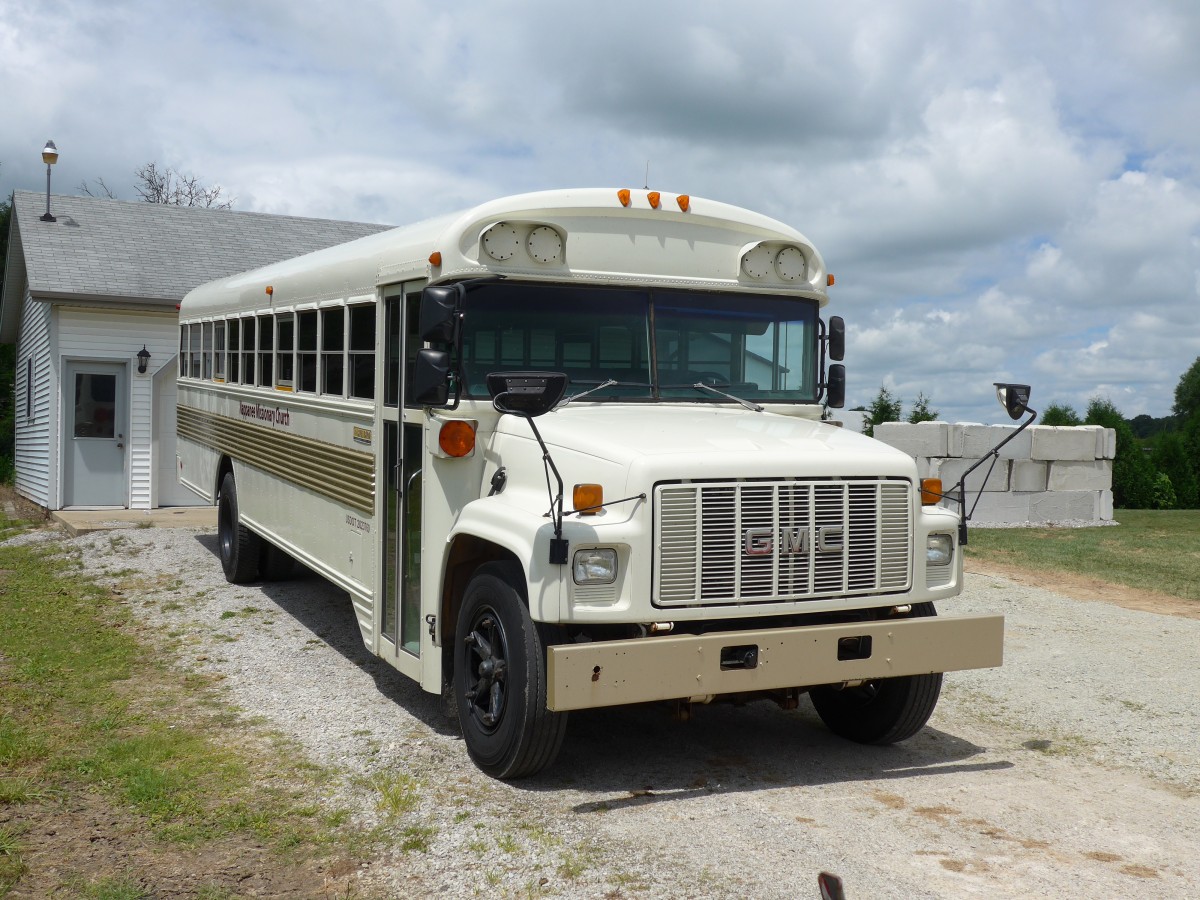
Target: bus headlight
{"points": [[939, 550], [595, 566]]}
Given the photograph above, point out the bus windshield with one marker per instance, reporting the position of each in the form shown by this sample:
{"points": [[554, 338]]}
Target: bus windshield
{"points": [[654, 344]]}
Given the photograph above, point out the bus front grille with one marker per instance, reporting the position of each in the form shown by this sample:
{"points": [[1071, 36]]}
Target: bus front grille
{"points": [[780, 541]]}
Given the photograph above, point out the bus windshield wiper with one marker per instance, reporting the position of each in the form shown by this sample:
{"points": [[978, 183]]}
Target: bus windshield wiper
{"points": [[564, 401], [701, 386], [612, 382]]}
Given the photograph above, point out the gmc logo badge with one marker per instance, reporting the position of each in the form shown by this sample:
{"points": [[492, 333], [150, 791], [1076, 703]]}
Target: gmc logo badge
{"points": [[761, 541]]}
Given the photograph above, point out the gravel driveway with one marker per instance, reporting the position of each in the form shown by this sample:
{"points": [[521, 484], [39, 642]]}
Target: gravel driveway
{"points": [[1072, 771]]}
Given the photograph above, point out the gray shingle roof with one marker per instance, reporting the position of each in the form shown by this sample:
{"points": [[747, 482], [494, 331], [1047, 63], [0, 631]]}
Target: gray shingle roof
{"points": [[102, 248]]}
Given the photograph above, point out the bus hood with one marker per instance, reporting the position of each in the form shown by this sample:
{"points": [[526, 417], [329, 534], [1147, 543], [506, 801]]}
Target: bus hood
{"points": [[710, 441]]}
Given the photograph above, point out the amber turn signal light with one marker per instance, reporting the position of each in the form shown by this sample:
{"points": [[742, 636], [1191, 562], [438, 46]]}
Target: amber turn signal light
{"points": [[588, 498], [623, 196], [931, 491], [456, 438]]}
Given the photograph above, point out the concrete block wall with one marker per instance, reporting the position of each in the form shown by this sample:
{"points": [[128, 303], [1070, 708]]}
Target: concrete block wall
{"points": [[1046, 475]]}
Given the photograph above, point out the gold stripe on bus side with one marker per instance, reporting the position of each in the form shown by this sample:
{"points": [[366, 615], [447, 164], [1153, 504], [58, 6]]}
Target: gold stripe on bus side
{"points": [[344, 475]]}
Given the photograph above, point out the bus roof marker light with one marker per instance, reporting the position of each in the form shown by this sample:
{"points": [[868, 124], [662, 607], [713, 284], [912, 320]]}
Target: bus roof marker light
{"points": [[685, 202], [270, 291], [655, 199], [435, 258], [829, 280], [624, 196]]}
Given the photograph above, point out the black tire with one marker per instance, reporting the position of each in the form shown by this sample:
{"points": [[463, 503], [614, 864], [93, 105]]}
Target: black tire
{"points": [[500, 679], [240, 548], [884, 711], [274, 564]]}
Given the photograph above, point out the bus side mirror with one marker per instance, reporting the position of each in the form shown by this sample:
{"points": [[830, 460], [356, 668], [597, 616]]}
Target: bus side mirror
{"points": [[1014, 398], [431, 378], [526, 394], [439, 312], [837, 337], [836, 396]]}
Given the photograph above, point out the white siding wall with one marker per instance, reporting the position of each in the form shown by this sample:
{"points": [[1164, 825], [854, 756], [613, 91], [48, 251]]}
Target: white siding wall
{"points": [[35, 454], [117, 337]]}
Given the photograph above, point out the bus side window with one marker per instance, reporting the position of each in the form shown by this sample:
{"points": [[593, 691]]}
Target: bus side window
{"points": [[183, 350], [235, 350], [219, 350], [333, 348], [248, 351], [266, 338], [285, 348], [194, 348], [362, 351], [306, 346]]}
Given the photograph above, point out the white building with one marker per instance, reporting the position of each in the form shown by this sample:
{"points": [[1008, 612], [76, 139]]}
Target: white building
{"points": [[83, 297]]}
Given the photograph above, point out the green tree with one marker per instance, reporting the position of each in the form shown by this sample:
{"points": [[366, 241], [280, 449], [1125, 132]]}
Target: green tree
{"points": [[1133, 472], [1187, 415], [1060, 414], [1187, 393], [921, 411], [1171, 458], [884, 408]]}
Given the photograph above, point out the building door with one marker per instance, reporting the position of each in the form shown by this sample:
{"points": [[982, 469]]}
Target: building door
{"points": [[95, 433]]}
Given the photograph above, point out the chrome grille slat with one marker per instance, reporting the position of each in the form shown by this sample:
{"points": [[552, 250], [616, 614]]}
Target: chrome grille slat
{"points": [[757, 542]]}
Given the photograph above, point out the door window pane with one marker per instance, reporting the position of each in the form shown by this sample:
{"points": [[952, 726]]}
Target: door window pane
{"points": [[95, 405]]}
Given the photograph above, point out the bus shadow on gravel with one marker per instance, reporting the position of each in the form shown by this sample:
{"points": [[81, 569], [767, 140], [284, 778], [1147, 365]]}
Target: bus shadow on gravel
{"points": [[327, 611], [643, 754]]}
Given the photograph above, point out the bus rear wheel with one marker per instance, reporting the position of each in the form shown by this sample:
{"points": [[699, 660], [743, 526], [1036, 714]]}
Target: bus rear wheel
{"points": [[500, 679], [884, 711], [240, 547]]}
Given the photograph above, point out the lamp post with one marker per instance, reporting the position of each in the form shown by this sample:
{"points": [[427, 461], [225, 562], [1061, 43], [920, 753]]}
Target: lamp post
{"points": [[49, 157]]}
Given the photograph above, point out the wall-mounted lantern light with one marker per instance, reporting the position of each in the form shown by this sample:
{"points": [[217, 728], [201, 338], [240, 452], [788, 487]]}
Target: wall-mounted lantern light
{"points": [[143, 358], [49, 157]]}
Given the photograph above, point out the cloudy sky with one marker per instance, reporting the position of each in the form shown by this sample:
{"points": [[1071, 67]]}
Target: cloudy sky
{"points": [[1004, 190]]}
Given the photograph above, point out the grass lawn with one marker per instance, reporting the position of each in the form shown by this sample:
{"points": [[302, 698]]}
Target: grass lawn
{"points": [[1154, 550], [97, 727]]}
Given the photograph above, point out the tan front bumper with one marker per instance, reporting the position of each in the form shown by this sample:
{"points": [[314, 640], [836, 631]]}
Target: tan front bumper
{"points": [[610, 673]]}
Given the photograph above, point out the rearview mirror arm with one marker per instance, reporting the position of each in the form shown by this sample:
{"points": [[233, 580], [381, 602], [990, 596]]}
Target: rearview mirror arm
{"points": [[558, 545], [961, 487]]}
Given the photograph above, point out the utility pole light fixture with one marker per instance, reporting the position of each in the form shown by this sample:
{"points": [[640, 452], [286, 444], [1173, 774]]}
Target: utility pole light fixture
{"points": [[49, 157]]}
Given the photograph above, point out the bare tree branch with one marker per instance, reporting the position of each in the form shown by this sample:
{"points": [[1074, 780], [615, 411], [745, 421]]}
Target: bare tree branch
{"points": [[102, 190], [174, 189]]}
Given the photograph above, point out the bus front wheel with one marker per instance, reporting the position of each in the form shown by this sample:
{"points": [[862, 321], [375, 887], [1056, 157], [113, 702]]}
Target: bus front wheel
{"points": [[500, 679], [883, 711], [240, 547]]}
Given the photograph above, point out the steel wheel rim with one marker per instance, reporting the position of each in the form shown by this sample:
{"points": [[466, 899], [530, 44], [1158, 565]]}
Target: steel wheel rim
{"points": [[487, 670]]}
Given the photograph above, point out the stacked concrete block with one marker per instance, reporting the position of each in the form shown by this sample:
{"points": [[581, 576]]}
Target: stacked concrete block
{"points": [[1045, 475]]}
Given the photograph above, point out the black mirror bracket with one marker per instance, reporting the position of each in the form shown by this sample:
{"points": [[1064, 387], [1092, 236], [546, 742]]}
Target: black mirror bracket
{"points": [[528, 395], [994, 454]]}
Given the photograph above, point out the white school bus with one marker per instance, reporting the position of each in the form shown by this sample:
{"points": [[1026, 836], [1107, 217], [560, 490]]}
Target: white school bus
{"points": [[565, 450]]}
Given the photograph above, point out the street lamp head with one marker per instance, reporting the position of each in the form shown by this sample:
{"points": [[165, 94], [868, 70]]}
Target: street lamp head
{"points": [[49, 153]]}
